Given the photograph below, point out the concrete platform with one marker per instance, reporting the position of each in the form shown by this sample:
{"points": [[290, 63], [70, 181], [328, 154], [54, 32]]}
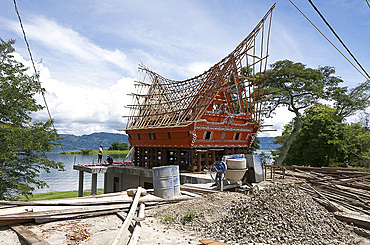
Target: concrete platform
{"points": [[195, 178], [121, 177]]}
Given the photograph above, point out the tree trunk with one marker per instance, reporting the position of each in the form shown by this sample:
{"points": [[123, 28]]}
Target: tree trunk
{"points": [[285, 148]]}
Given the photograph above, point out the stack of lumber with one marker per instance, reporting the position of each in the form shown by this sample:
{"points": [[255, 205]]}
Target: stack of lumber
{"points": [[17, 212], [128, 206], [345, 191]]}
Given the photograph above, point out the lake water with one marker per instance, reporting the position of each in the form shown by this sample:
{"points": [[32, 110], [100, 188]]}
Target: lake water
{"points": [[68, 180]]}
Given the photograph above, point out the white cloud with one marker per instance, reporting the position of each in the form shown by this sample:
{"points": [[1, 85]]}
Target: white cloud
{"points": [[71, 56], [282, 117], [198, 68], [80, 109], [66, 40]]}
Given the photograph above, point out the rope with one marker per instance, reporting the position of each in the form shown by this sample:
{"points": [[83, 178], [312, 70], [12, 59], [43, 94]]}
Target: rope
{"points": [[35, 70], [327, 39], [339, 39]]}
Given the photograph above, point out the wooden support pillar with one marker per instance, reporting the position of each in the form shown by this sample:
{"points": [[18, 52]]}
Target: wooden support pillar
{"points": [[148, 157], [155, 157], [142, 157], [94, 182], [271, 172], [199, 163], [213, 156], [163, 156], [206, 159], [80, 183], [105, 183], [193, 160], [178, 157]]}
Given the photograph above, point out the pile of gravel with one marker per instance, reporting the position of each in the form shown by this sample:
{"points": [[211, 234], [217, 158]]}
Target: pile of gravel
{"points": [[278, 214]]}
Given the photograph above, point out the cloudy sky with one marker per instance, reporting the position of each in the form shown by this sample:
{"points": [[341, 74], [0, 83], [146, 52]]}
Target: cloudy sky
{"points": [[90, 50]]}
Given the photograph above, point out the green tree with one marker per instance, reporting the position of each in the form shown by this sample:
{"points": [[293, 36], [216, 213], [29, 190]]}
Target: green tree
{"points": [[319, 141], [116, 146], [356, 145], [24, 143], [297, 87], [255, 146], [349, 101], [123, 146], [265, 159]]}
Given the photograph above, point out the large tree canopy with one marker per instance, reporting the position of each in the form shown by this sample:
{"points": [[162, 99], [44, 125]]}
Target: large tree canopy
{"points": [[325, 140], [317, 142], [23, 142], [297, 87]]}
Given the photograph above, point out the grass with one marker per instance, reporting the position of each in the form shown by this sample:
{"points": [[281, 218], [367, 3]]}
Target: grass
{"points": [[56, 195], [167, 219], [189, 216], [93, 152]]}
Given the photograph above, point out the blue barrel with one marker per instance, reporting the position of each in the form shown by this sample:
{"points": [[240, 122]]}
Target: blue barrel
{"points": [[163, 181], [176, 179]]}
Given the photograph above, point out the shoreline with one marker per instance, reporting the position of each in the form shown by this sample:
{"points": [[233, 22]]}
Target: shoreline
{"points": [[93, 152]]}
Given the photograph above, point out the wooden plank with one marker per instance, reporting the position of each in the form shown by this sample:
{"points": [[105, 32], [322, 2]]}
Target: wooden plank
{"points": [[75, 216], [7, 206], [356, 221], [212, 242], [197, 189], [325, 204], [123, 216], [29, 237], [127, 221], [81, 203], [14, 210], [332, 206], [136, 233], [32, 215], [190, 194], [14, 222]]}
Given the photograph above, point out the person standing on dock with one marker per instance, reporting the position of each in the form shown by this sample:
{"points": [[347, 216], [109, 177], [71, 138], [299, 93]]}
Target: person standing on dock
{"points": [[100, 154]]}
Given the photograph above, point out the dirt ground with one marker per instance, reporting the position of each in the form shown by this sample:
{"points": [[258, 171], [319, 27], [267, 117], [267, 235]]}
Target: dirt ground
{"points": [[100, 231], [103, 229]]}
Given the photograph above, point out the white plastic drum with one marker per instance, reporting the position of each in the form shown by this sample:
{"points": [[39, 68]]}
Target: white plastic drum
{"points": [[236, 163], [163, 181]]}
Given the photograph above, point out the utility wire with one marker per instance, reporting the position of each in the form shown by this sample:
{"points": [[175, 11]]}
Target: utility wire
{"points": [[35, 70], [339, 39], [368, 3], [328, 39]]}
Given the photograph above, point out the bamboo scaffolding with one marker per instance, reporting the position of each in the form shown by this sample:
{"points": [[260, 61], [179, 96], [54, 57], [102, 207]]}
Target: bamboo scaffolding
{"points": [[161, 102]]}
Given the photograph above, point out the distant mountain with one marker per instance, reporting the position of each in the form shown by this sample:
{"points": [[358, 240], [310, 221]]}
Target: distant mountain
{"points": [[266, 143], [90, 142]]}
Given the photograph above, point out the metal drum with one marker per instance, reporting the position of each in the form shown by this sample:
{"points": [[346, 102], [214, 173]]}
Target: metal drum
{"points": [[163, 181], [176, 179]]}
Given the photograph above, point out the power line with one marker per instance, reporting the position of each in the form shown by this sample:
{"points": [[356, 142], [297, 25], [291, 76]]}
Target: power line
{"points": [[35, 70], [328, 39], [340, 40], [368, 3]]}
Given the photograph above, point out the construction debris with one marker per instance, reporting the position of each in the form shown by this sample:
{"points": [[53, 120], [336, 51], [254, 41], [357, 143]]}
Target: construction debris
{"points": [[298, 206], [277, 214]]}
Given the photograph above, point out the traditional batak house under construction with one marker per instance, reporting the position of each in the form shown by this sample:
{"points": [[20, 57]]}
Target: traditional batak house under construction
{"points": [[193, 123]]}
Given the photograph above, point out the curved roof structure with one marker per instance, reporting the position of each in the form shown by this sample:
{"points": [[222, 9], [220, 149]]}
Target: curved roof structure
{"points": [[234, 86]]}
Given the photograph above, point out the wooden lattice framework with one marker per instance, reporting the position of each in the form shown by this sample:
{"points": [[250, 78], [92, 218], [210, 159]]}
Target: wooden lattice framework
{"points": [[217, 110]]}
